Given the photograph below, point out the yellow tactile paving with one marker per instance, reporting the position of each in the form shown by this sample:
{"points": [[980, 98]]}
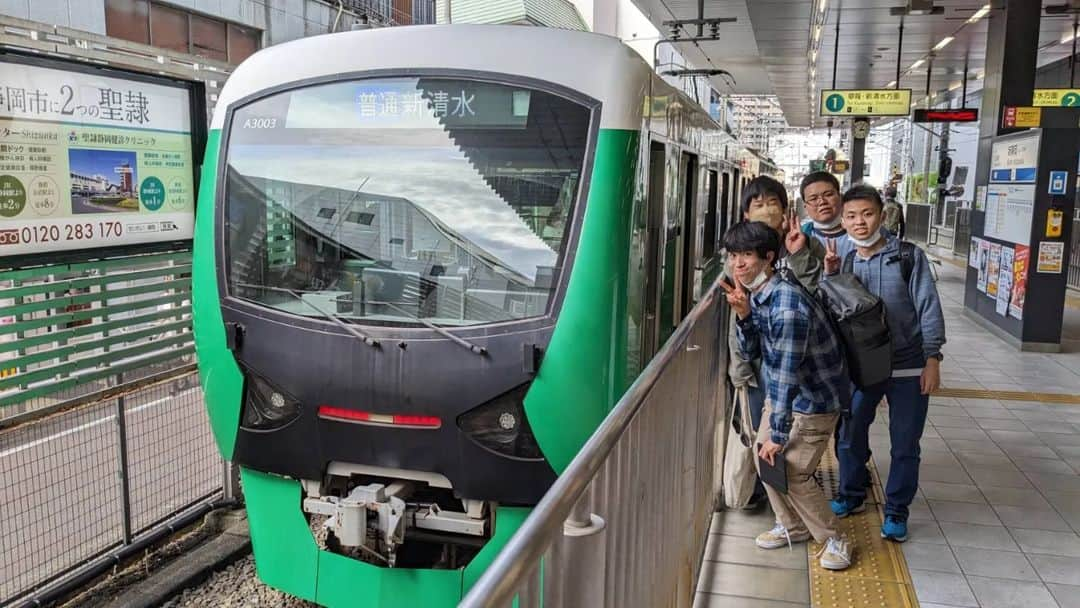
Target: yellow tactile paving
{"points": [[982, 393], [878, 576]]}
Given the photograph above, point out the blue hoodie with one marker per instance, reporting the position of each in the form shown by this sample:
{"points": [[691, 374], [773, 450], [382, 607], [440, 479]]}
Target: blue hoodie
{"points": [[912, 310]]}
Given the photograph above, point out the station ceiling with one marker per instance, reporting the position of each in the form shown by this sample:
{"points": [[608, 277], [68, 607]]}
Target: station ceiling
{"points": [[774, 47]]}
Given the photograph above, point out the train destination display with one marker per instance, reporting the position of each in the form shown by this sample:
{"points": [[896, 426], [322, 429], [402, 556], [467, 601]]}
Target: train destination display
{"points": [[89, 160]]}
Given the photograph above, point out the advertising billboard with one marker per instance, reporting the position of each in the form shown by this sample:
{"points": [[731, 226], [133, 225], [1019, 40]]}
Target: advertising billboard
{"points": [[92, 158]]}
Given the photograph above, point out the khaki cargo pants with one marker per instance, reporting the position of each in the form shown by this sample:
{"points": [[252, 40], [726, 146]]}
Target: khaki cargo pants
{"points": [[804, 507]]}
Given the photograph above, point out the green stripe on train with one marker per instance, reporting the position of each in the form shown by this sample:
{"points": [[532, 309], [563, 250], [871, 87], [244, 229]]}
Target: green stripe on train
{"points": [[587, 370], [221, 379]]}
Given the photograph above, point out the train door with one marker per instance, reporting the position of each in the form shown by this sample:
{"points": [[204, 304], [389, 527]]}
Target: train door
{"points": [[686, 268], [654, 224], [713, 217], [725, 204]]}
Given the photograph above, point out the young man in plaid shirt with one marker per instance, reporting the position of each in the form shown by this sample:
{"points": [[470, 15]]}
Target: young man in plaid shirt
{"points": [[806, 386]]}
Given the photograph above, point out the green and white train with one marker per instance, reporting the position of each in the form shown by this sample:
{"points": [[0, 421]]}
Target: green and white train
{"points": [[428, 261]]}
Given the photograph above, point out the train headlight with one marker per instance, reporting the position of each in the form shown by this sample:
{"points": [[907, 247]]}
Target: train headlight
{"points": [[265, 406], [500, 425]]}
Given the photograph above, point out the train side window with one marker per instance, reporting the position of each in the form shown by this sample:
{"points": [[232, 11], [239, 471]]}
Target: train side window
{"points": [[708, 245]]}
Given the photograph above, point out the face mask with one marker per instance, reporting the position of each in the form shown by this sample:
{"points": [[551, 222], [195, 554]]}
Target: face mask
{"points": [[770, 215], [870, 242], [756, 281], [828, 226]]}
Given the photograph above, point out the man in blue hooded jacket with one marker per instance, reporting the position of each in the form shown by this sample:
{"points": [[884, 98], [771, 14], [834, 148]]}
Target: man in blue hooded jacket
{"points": [[901, 277]]}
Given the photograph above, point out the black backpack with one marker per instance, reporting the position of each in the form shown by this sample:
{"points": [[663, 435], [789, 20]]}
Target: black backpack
{"points": [[858, 319]]}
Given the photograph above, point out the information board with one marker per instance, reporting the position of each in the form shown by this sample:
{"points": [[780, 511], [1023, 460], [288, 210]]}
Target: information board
{"points": [[1010, 196], [1009, 209], [90, 160], [866, 102], [1015, 160]]}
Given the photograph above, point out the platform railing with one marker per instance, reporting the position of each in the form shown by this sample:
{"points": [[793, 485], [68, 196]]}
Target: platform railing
{"points": [[626, 523]]}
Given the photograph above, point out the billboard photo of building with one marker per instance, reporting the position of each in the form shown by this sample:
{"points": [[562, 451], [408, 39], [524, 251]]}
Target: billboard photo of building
{"points": [[103, 180]]}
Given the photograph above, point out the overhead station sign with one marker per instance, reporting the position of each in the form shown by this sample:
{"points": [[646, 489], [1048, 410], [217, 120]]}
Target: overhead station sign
{"points": [[89, 160], [1065, 98], [865, 102]]}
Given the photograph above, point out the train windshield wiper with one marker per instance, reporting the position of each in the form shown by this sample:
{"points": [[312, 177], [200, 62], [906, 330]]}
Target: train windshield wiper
{"points": [[480, 350], [366, 339]]}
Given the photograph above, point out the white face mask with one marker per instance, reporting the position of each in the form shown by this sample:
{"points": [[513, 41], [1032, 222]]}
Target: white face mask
{"points": [[757, 281], [827, 226], [870, 242]]}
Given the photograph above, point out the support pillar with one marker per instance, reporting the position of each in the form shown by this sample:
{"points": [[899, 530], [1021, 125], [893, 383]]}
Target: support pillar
{"points": [[858, 148], [1014, 170]]}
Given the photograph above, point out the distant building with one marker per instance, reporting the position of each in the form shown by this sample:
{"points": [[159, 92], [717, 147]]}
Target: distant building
{"points": [[90, 183], [548, 13], [191, 39], [125, 177]]}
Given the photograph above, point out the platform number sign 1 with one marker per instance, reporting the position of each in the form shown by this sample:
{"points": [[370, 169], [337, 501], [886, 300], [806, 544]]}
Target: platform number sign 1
{"points": [[834, 102]]}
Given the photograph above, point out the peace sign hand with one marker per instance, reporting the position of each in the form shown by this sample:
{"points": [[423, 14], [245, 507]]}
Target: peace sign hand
{"points": [[832, 258], [736, 298], [795, 239]]}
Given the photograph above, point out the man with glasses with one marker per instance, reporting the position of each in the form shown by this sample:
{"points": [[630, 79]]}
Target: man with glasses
{"points": [[821, 193]]}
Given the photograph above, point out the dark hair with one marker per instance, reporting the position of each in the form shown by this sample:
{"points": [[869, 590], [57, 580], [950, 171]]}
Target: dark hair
{"points": [[818, 176], [763, 185], [863, 192], [758, 237]]}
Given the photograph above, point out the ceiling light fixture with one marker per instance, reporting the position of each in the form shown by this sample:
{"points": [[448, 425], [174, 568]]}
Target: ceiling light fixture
{"points": [[916, 65], [821, 7], [891, 84], [817, 34], [944, 42], [979, 14]]}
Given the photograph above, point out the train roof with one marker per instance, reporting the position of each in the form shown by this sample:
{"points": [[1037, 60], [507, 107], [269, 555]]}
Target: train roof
{"points": [[599, 66]]}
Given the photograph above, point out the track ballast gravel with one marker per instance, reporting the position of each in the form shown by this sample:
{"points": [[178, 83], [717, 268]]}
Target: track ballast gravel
{"points": [[236, 587]]}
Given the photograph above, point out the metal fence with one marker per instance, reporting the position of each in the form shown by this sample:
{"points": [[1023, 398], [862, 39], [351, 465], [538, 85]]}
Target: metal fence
{"points": [[626, 523], [103, 433]]}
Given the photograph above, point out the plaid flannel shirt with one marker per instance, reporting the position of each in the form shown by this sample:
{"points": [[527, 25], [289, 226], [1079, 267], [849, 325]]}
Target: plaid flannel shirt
{"points": [[801, 358]]}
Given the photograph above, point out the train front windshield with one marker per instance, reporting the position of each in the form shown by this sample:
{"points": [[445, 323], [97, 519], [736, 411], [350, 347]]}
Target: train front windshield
{"points": [[392, 200]]}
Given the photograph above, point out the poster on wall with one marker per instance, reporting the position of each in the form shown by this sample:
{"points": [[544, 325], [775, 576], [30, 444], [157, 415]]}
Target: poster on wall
{"points": [[984, 260], [1051, 256], [993, 266], [89, 160], [973, 252], [1004, 282], [1020, 270]]}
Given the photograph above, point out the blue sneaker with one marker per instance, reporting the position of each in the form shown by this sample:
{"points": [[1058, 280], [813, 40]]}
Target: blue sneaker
{"points": [[894, 529], [844, 506]]}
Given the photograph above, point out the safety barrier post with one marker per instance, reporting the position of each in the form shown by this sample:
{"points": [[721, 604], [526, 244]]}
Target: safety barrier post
{"points": [[125, 481]]}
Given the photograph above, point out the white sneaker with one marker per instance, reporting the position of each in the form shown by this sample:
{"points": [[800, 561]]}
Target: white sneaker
{"points": [[779, 537], [836, 554]]}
